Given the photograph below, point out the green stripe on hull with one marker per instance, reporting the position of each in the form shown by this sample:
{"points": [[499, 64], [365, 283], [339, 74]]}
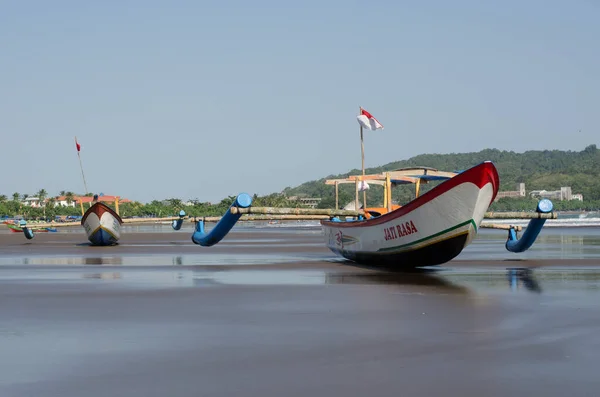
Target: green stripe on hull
{"points": [[471, 221], [432, 254]]}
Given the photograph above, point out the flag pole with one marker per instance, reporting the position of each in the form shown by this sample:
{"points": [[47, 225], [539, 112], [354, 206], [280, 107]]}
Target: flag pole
{"points": [[81, 166], [362, 152]]}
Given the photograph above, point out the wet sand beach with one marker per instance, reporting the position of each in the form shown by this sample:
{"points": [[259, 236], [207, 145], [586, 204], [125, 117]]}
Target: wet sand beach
{"points": [[271, 311]]}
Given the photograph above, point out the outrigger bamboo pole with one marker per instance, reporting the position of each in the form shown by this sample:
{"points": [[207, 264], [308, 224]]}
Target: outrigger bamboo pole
{"points": [[247, 217], [127, 220], [520, 215], [500, 226], [293, 211], [265, 216], [329, 212], [274, 213]]}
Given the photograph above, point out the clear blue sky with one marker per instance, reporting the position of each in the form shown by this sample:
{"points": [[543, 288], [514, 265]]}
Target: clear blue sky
{"points": [[199, 99]]}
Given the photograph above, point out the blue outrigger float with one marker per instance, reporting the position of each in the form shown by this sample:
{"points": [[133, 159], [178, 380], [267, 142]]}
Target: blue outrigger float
{"points": [[227, 222]]}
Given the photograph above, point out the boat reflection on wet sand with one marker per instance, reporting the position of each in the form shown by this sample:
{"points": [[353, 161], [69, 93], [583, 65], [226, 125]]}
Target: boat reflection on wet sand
{"points": [[423, 279], [525, 277]]}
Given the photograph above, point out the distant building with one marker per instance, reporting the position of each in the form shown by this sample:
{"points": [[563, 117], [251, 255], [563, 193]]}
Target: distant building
{"points": [[564, 194], [577, 196], [33, 202], [520, 192], [61, 201], [311, 202], [104, 199]]}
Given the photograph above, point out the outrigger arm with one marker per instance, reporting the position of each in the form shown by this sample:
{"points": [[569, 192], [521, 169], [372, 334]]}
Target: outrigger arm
{"points": [[515, 244], [178, 222], [26, 231], [223, 227]]}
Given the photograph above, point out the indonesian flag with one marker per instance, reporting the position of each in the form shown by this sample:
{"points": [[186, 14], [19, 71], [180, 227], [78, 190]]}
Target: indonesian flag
{"points": [[366, 120], [77, 145]]}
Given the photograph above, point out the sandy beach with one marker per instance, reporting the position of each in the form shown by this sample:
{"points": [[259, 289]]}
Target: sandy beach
{"points": [[273, 312]]}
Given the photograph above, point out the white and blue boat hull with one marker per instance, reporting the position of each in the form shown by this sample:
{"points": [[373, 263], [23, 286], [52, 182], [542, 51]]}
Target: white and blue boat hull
{"points": [[102, 225]]}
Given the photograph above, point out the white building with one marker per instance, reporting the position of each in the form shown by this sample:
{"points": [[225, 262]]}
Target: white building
{"points": [[33, 202], [563, 194], [577, 196]]}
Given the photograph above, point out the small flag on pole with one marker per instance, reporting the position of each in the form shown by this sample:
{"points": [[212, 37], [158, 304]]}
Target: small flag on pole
{"points": [[366, 120], [77, 145]]}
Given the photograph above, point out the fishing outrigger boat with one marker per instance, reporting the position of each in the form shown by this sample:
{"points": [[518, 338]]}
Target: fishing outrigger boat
{"points": [[102, 224], [21, 227], [18, 228], [430, 230]]}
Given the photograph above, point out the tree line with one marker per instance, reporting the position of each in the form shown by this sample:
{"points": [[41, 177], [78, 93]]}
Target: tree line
{"points": [[169, 207], [541, 169], [538, 169]]}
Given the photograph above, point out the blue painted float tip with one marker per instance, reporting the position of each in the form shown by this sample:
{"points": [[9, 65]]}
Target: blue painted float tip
{"points": [[182, 213], [243, 200], [544, 206]]}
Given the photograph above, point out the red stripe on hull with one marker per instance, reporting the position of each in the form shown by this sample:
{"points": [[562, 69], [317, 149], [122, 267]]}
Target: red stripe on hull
{"points": [[480, 175], [100, 209]]}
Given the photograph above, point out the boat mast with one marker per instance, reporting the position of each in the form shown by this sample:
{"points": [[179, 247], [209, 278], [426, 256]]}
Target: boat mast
{"points": [[362, 151], [81, 166]]}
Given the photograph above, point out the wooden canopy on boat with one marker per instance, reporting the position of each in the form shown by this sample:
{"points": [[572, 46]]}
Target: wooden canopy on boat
{"points": [[388, 179]]}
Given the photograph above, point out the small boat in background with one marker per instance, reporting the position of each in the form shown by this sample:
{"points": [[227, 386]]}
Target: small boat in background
{"points": [[18, 229], [102, 224]]}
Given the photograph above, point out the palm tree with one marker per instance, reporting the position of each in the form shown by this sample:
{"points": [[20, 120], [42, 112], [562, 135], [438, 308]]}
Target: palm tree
{"points": [[177, 203], [16, 196], [3, 198], [42, 196], [69, 196]]}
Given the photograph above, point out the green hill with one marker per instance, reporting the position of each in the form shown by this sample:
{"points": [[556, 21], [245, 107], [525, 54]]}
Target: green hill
{"points": [[538, 169]]}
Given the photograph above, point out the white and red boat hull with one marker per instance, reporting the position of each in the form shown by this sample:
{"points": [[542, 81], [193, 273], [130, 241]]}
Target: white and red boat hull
{"points": [[102, 225], [430, 230]]}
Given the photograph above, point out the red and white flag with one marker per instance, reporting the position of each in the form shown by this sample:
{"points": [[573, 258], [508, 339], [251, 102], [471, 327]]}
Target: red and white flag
{"points": [[366, 120], [77, 145]]}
